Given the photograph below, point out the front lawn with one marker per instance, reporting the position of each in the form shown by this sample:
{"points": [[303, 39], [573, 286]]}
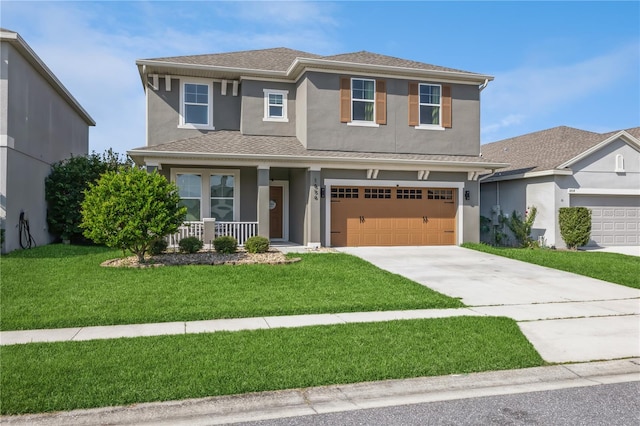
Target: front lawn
{"points": [[41, 377], [64, 286], [611, 267]]}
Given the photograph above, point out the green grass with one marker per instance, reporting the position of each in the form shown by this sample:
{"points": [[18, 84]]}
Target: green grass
{"points": [[64, 286], [612, 267], [41, 377]]}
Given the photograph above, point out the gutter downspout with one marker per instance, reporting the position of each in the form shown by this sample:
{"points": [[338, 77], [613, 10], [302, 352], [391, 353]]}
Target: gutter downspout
{"points": [[483, 85]]}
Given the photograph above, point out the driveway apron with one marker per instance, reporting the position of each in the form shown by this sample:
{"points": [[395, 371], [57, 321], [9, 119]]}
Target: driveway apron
{"points": [[567, 317]]}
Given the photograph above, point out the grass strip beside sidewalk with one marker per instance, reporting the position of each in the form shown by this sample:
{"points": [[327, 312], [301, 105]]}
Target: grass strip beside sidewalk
{"points": [[43, 377], [611, 267], [60, 286]]}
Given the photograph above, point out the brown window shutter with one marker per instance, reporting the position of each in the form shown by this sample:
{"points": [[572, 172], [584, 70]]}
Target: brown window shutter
{"points": [[381, 102], [414, 117], [446, 106], [345, 99]]}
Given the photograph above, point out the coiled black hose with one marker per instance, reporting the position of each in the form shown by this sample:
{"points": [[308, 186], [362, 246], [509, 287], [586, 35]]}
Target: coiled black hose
{"points": [[26, 239]]}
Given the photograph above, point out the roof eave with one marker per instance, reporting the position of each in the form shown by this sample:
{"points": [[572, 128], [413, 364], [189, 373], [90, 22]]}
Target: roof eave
{"points": [[300, 64], [541, 173], [25, 50], [140, 156]]}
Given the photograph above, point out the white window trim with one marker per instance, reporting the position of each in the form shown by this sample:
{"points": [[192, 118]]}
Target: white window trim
{"points": [[285, 116], [175, 180], [205, 193], [200, 81], [619, 163], [429, 126], [363, 123]]}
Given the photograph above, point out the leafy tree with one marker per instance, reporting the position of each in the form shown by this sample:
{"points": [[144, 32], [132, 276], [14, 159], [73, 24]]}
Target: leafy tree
{"points": [[130, 209], [521, 227], [65, 186]]}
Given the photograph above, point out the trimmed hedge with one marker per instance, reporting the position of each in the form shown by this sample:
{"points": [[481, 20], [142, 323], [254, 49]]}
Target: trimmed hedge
{"points": [[257, 244], [226, 244], [575, 226], [190, 245]]}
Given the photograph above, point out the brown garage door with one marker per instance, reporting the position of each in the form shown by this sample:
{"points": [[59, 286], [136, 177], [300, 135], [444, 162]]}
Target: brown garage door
{"points": [[370, 216]]}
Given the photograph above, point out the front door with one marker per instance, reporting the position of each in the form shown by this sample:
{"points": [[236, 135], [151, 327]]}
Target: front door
{"points": [[276, 217]]}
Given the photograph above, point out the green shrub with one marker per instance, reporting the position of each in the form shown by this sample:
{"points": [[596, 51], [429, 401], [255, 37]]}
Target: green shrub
{"points": [[158, 246], [130, 209], [190, 245], [521, 227], [575, 226], [257, 244], [226, 244], [65, 186]]}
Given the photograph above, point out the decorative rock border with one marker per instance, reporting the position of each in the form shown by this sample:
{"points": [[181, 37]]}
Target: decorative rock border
{"points": [[271, 257]]}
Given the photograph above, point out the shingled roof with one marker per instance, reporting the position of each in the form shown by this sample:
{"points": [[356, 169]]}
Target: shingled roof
{"points": [[281, 59], [231, 143], [544, 150]]}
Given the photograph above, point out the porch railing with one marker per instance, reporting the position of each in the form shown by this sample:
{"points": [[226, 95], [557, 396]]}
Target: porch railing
{"points": [[242, 231]]}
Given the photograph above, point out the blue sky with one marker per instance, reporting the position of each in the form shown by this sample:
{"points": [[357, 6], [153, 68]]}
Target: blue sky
{"points": [[555, 63]]}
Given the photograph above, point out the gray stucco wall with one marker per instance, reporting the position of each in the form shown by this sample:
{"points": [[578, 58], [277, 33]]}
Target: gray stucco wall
{"points": [[325, 131], [163, 111], [298, 193], [39, 128], [253, 109], [301, 111], [598, 169]]}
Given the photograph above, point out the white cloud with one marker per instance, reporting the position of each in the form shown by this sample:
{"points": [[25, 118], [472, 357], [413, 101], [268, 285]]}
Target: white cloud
{"points": [[525, 94]]}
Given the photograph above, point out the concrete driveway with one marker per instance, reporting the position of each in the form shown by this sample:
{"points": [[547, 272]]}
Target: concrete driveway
{"points": [[567, 317]]}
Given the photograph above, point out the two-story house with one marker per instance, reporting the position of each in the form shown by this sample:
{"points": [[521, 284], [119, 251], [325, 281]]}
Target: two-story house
{"points": [[41, 123], [347, 150]]}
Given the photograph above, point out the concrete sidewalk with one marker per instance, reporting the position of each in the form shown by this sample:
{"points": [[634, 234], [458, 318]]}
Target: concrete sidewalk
{"points": [[340, 398]]}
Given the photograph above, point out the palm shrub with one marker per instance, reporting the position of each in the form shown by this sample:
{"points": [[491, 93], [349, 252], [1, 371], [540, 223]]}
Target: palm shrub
{"points": [[130, 209], [226, 244], [190, 245], [257, 244], [575, 226], [521, 226]]}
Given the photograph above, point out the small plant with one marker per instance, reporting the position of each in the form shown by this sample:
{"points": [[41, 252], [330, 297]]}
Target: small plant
{"points": [[190, 245], [575, 226], [226, 244], [521, 227], [158, 246], [257, 244]]}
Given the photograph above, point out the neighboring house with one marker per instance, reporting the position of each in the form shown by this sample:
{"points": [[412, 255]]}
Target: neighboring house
{"points": [[40, 124], [347, 150], [564, 167]]}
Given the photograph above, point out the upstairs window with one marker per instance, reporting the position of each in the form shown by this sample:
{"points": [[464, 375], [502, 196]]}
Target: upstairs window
{"points": [[363, 101], [275, 105], [195, 108], [429, 106]]}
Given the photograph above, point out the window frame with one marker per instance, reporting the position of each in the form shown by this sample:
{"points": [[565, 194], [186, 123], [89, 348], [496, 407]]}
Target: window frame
{"points": [[366, 123], [205, 190], [430, 126], [201, 82], [267, 104]]}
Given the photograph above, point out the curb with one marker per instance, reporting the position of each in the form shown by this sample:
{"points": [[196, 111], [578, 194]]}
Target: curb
{"points": [[337, 398]]}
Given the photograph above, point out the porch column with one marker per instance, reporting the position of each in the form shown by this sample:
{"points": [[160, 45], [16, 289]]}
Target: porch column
{"points": [[263, 201], [313, 208]]}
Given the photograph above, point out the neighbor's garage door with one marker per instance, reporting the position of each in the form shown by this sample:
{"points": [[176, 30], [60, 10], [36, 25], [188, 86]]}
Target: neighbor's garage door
{"points": [[614, 219], [369, 216]]}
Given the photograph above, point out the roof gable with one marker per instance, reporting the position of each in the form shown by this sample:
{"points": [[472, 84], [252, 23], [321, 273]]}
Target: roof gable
{"points": [[551, 149]]}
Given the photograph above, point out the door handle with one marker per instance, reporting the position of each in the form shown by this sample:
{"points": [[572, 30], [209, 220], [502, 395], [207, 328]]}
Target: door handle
{"points": [[361, 219], [425, 219]]}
